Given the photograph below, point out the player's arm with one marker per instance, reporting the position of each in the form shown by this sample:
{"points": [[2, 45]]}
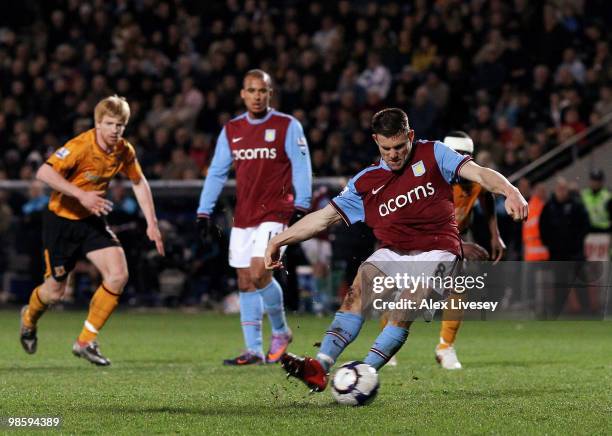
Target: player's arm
{"points": [[144, 197], [494, 182], [305, 228], [453, 164], [142, 192], [498, 247], [347, 206], [213, 183], [296, 148], [91, 200], [216, 177]]}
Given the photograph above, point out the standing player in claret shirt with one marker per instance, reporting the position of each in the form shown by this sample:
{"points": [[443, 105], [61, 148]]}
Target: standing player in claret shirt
{"points": [[407, 200], [273, 188], [79, 173]]}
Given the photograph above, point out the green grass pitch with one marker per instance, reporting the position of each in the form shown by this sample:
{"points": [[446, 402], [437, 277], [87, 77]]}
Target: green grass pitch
{"points": [[166, 377]]}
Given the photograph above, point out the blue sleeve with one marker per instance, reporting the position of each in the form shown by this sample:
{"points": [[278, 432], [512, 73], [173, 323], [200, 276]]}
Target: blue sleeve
{"points": [[296, 148], [217, 175], [448, 160], [349, 204]]}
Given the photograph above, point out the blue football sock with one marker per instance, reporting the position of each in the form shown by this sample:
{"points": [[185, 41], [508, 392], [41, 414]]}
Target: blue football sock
{"points": [[342, 331], [386, 345], [251, 314], [272, 296]]}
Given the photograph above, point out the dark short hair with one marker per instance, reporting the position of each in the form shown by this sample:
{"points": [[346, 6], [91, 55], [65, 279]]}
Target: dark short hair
{"points": [[260, 74], [390, 122]]}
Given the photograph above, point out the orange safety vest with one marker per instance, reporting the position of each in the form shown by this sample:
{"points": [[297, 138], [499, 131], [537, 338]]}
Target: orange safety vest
{"points": [[533, 249]]}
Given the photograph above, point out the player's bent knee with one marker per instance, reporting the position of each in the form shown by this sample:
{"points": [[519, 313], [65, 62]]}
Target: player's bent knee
{"points": [[53, 286], [262, 281], [245, 284], [53, 292], [54, 298], [116, 281], [260, 276]]}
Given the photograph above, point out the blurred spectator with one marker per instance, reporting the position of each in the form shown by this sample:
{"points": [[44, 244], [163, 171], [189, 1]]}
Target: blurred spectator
{"points": [[571, 119], [533, 248], [490, 71], [201, 151], [438, 90], [598, 202], [573, 64], [604, 104], [125, 207], [423, 114], [38, 199], [424, 55], [564, 224], [320, 166], [376, 77], [181, 166]]}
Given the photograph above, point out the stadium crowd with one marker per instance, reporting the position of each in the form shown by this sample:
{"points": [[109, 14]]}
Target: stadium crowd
{"points": [[520, 77]]}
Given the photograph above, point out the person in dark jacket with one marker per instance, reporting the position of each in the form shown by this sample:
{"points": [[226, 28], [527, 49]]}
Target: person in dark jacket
{"points": [[564, 224]]}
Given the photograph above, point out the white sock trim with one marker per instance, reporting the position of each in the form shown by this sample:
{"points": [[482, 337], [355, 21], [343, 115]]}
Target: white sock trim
{"points": [[326, 358], [90, 327]]}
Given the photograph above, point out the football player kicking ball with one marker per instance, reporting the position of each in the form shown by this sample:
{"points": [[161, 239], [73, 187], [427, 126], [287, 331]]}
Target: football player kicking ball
{"points": [[407, 200], [271, 159], [79, 173]]}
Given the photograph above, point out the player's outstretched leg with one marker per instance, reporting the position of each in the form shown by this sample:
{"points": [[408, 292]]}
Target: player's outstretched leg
{"points": [[251, 314], [272, 296], [343, 330]]}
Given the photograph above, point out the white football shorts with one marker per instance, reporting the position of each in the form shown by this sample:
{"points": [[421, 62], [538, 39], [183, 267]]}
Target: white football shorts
{"points": [[414, 263], [249, 242]]}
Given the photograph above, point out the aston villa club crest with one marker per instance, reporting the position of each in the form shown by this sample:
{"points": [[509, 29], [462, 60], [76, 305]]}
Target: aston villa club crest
{"points": [[270, 135], [418, 169]]}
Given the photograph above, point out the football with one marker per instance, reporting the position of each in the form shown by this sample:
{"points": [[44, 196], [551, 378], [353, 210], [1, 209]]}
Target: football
{"points": [[355, 384]]}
